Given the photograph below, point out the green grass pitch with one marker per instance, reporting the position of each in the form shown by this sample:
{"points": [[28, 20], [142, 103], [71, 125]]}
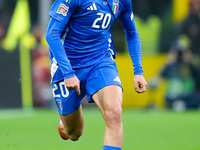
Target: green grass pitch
{"points": [[143, 130]]}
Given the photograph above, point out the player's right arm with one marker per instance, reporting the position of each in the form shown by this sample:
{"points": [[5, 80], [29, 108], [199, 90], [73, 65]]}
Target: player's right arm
{"points": [[60, 14]]}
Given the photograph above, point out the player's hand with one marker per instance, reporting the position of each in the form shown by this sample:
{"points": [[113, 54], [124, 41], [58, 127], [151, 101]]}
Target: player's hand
{"points": [[73, 83], [139, 83]]}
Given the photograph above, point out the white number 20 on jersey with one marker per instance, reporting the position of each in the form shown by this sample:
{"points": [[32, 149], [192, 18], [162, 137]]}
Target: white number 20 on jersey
{"points": [[106, 20]]}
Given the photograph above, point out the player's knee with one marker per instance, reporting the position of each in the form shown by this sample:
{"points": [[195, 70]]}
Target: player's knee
{"points": [[75, 135], [113, 117]]}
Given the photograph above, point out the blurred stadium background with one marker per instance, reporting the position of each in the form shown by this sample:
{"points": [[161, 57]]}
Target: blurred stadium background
{"points": [[166, 117]]}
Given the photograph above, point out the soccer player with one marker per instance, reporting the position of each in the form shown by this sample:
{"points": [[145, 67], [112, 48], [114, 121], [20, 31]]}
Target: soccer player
{"points": [[81, 52]]}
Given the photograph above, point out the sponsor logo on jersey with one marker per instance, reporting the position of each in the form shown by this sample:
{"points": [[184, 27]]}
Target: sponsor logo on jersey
{"points": [[115, 6], [92, 7], [117, 79], [59, 104], [62, 9]]}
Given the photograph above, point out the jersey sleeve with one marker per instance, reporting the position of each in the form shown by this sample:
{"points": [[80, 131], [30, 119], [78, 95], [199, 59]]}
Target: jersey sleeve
{"points": [[53, 37], [62, 10], [60, 14], [132, 36]]}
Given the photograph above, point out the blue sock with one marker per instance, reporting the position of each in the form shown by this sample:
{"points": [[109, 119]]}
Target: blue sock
{"points": [[105, 147]]}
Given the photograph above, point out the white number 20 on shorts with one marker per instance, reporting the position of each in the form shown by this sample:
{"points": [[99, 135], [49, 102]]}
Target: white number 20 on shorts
{"points": [[63, 90]]}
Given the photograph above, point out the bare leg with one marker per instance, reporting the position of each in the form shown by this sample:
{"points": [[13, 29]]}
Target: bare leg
{"points": [[72, 124], [109, 100]]}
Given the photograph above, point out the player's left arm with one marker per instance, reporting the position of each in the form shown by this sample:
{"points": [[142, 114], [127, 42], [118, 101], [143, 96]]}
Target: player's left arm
{"points": [[134, 46]]}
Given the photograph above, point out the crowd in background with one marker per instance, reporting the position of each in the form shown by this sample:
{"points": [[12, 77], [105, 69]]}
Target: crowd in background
{"points": [[179, 40], [183, 69]]}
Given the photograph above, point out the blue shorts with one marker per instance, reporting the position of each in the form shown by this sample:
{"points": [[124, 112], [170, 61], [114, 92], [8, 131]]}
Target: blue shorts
{"points": [[92, 79]]}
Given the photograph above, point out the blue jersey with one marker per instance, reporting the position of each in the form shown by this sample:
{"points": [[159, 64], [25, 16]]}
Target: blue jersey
{"points": [[84, 27]]}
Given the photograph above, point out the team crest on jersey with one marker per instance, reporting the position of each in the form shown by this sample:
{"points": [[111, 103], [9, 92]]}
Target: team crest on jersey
{"points": [[62, 9], [115, 6], [59, 104]]}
